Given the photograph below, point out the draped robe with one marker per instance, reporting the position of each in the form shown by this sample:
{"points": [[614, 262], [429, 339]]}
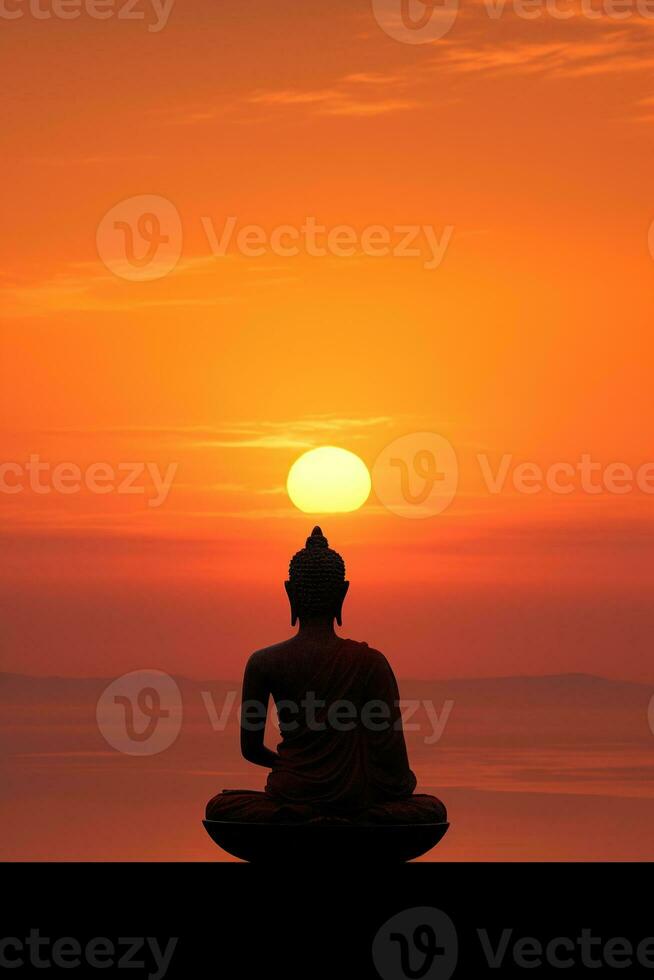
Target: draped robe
{"points": [[342, 752]]}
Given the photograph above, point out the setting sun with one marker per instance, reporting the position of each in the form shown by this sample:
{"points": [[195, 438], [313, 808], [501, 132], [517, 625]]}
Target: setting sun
{"points": [[328, 480]]}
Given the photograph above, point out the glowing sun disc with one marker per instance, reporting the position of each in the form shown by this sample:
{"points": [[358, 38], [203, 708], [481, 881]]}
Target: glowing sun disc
{"points": [[328, 480]]}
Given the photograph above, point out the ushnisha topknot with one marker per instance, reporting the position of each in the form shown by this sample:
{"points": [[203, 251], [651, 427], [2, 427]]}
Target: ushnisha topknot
{"points": [[317, 574], [317, 539]]}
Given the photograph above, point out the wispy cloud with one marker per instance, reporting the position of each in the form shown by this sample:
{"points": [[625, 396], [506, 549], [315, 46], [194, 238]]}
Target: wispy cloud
{"points": [[613, 53], [647, 115], [369, 93], [294, 97], [76, 160], [341, 100], [375, 78], [282, 434], [606, 51], [281, 441], [87, 287], [578, 46], [352, 107]]}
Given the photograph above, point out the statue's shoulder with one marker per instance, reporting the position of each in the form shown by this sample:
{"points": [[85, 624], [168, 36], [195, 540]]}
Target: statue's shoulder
{"points": [[375, 667], [264, 656], [361, 649]]}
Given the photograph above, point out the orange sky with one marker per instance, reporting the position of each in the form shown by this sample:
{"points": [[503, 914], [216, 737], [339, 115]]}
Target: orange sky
{"points": [[532, 139]]}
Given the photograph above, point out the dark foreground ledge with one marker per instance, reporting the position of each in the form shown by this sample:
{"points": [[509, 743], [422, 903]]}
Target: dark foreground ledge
{"points": [[414, 921]]}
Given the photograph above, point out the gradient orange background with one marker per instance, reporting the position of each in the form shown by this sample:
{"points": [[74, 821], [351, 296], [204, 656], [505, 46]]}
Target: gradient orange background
{"points": [[532, 138]]}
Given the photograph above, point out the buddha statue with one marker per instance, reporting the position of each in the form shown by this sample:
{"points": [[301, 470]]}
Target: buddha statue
{"points": [[342, 754]]}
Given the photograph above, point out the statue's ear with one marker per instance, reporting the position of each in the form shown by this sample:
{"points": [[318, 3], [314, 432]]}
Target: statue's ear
{"points": [[291, 599], [338, 612]]}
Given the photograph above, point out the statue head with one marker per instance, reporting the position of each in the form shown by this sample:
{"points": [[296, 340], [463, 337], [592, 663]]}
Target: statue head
{"points": [[316, 585]]}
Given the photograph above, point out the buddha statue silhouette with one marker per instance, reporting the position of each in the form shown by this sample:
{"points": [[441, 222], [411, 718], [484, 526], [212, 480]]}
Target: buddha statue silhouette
{"points": [[342, 755]]}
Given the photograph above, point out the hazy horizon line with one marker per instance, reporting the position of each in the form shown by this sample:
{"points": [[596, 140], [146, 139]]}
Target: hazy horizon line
{"points": [[566, 675]]}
